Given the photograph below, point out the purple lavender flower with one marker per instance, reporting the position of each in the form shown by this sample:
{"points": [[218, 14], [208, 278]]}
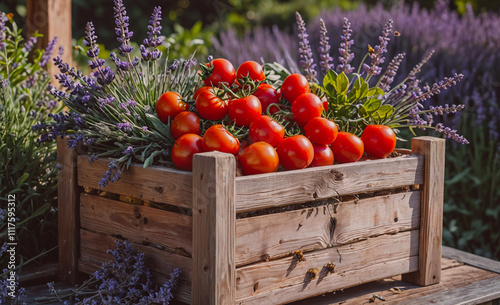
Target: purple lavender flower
{"points": [[122, 32], [105, 77], [93, 157], [326, 61], [93, 51], [144, 128], [306, 55], [74, 140], [106, 101], [3, 20], [391, 71], [441, 110], [148, 55], [124, 126], [450, 133], [130, 104], [47, 54], [129, 151], [376, 56], [29, 44], [154, 29], [107, 175], [437, 87], [345, 49]]}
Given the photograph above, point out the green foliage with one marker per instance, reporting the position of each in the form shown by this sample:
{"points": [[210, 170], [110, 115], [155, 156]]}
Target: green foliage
{"points": [[27, 167]]}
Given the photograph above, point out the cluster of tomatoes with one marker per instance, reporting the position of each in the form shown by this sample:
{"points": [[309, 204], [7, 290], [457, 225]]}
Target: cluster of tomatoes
{"points": [[264, 127]]}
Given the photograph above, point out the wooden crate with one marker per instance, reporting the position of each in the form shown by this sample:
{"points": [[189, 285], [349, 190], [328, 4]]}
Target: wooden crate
{"points": [[371, 219]]}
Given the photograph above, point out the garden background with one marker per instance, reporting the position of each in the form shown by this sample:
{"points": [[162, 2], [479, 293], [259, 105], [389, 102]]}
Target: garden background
{"points": [[465, 36]]}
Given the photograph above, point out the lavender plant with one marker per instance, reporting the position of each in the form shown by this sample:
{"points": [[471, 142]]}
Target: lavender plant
{"points": [[111, 111]]}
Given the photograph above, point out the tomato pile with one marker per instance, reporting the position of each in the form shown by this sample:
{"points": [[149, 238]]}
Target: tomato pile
{"points": [[238, 112]]}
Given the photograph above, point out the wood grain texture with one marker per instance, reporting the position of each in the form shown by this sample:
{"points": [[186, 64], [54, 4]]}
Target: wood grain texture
{"points": [[136, 223], [472, 259], [155, 183], [277, 235], [68, 218], [292, 187], [286, 280], [431, 223], [214, 220], [161, 263]]}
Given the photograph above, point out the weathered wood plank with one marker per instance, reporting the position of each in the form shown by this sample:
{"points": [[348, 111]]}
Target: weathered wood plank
{"points": [[431, 223], [67, 213], [276, 235], [287, 279], [136, 223], [472, 259], [155, 183], [291, 187], [214, 218], [160, 262]]}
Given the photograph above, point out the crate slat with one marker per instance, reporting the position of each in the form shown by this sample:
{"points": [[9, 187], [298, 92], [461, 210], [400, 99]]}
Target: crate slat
{"points": [[155, 183], [276, 235], [137, 223], [292, 187], [286, 280]]}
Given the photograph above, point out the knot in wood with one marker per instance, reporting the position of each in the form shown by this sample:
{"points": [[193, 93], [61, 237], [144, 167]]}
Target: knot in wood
{"points": [[338, 176], [159, 189]]}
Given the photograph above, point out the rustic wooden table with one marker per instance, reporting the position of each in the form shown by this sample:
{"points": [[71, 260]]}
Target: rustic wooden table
{"points": [[466, 279]]}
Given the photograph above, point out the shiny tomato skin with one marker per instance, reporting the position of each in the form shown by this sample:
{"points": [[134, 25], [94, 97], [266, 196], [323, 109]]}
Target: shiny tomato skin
{"points": [[295, 152], [210, 107], [223, 72], [184, 123], [321, 130], [347, 148], [267, 130], [323, 155], [244, 111], [169, 105], [259, 158], [218, 138], [200, 90], [184, 149], [379, 140], [306, 107], [267, 95], [251, 69], [293, 86]]}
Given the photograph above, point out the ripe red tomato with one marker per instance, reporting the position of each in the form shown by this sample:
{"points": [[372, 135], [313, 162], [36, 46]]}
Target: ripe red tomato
{"points": [[184, 149], [321, 131], [210, 107], [218, 138], [267, 95], [306, 107], [379, 140], [197, 92], [244, 111], [293, 86], [170, 105], [259, 158], [347, 148], [251, 69], [295, 152], [323, 155], [184, 123], [267, 130], [223, 72]]}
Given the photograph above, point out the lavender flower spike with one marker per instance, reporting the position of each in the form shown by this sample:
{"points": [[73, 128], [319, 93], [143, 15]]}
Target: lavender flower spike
{"points": [[326, 61], [450, 133], [29, 44], [121, 29], [154, 29], [345, 49], [3, 20], [306, 55], [391, 71], [376, 56], [48, 53]]}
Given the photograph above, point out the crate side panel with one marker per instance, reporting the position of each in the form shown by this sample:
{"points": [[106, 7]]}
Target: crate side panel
{"points": [[155, 183], [137, 223], [291, 187], [364, 261], [277, 235], [161, 263]]}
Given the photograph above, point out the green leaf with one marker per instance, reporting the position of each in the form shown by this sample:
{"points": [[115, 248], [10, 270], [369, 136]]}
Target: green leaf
{"points": [[342, 84], [384, 111], [329, 82], [22, 178], [375, 91], [370, 106], [149, 160]]}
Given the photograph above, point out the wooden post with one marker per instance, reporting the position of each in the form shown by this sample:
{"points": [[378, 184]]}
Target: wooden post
{"points": [[431, 209], [68, 209], [214, 220]]}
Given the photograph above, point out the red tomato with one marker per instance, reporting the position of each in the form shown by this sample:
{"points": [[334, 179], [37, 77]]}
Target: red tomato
{"points": [[251, 69], [223, 72], [323, 155], [170, 105], [295, 152], [197, 92], [267, 95], [379, 140], [259, 158], [267, 130], [306, 107], [210, 107], [293, 86], [321, 131], [218, 138], [347, 148], [184, 149], [184, 123], [244, 111]]}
